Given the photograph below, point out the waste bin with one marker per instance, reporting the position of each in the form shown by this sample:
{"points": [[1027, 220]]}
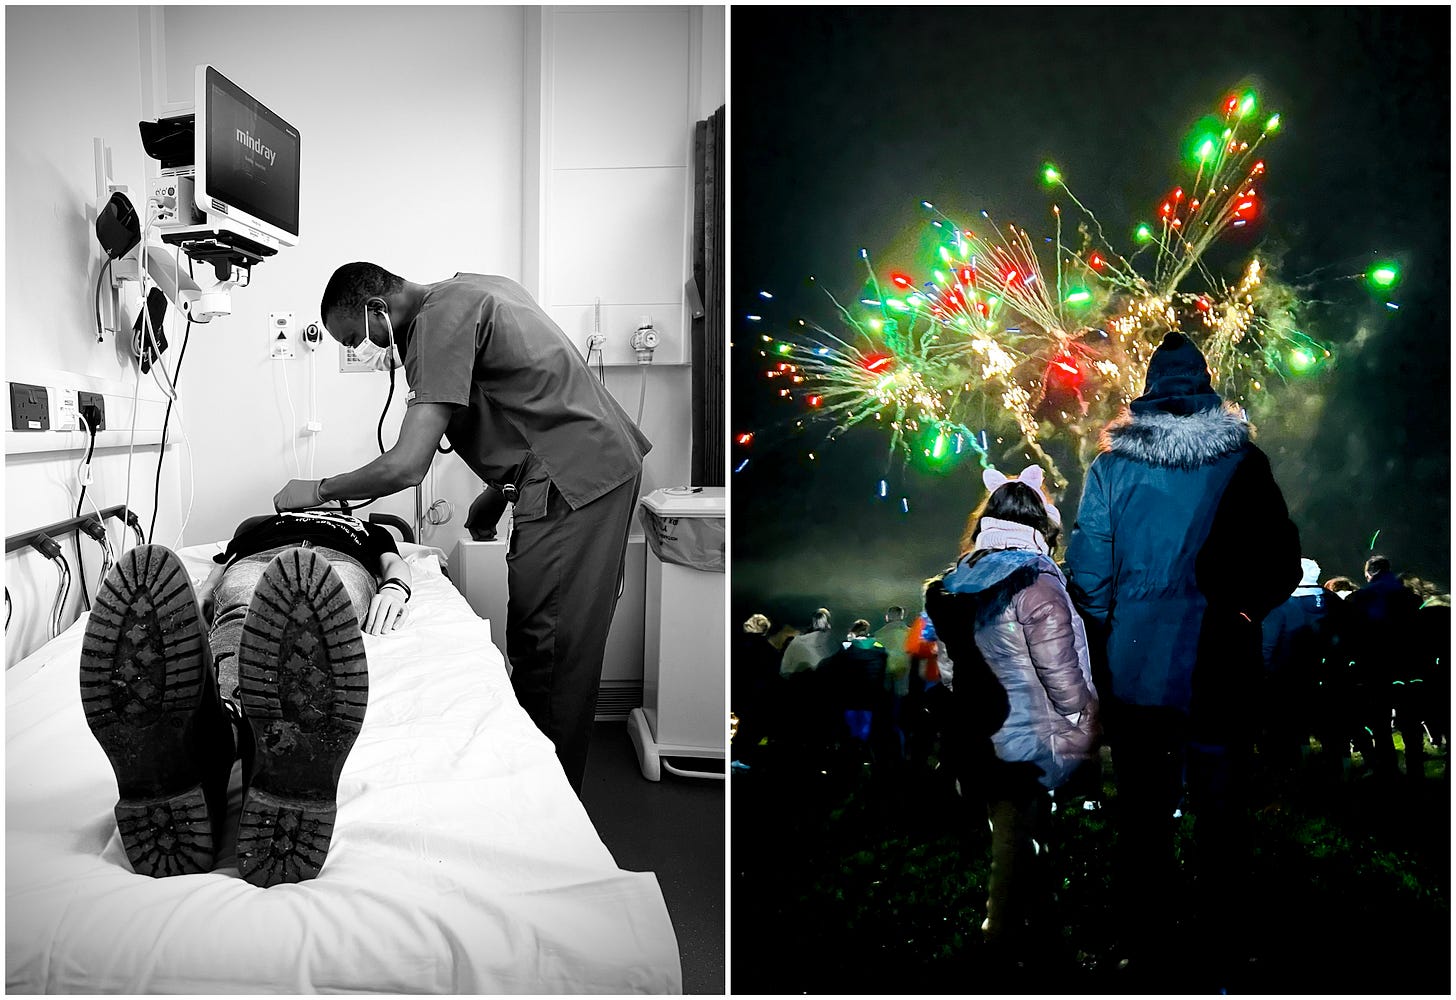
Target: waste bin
{"points": [[682, 714]]}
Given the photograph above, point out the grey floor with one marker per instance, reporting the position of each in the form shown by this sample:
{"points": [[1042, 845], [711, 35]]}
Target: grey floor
{"points": [[674, 828]]}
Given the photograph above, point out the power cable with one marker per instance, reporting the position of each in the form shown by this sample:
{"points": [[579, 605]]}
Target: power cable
{"points": [[166, 419], [46, 546], [101, 273], [83, 477]]}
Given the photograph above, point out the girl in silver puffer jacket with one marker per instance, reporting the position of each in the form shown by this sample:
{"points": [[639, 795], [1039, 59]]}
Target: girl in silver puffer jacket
{"points": [[1022, 681]]}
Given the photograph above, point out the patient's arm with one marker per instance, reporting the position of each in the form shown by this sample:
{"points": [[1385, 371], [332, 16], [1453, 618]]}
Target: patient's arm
{"points": [[388, 609], [393, 567]]}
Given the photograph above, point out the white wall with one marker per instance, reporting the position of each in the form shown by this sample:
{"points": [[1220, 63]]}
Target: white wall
{"points": [[713, 74], [610, 118], [70, 74], [411, 123]]}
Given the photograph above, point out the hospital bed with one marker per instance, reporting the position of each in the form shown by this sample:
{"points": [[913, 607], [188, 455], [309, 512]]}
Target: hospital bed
{"points": [[461, 862]]}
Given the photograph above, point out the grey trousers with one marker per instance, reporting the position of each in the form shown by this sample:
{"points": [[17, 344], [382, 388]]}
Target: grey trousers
{"points": [[563, 575], [235, 592]]}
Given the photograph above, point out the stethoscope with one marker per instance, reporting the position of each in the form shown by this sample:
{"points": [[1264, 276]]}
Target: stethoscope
{"points": [[443, 449]]}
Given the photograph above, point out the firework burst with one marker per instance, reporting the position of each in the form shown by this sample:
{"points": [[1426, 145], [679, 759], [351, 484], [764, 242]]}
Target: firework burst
{"points": [[988, 346]]}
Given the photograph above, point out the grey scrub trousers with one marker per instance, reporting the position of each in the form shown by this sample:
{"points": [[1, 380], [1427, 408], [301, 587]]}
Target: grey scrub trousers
{"points": [[526, 411], [563, 572]]}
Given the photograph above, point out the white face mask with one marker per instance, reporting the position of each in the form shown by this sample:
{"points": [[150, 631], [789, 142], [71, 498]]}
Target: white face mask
{"points": [[376, 357]]}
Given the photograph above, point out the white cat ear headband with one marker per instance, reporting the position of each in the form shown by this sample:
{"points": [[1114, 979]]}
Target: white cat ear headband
{"points": [[1032, 476]]}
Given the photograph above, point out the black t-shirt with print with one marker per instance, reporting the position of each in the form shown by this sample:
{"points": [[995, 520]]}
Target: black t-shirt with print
{"points": [[365, 542]]}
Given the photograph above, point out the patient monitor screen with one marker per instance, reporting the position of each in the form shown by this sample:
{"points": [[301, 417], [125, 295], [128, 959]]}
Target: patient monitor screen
{"points": [[252, 155]]}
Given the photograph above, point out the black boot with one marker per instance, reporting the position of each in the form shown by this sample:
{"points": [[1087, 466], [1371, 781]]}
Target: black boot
{"points": [[304, 686], [150, 698]]}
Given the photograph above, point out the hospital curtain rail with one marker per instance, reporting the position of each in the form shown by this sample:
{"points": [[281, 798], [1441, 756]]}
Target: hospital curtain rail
{"points": [[709, 331]]}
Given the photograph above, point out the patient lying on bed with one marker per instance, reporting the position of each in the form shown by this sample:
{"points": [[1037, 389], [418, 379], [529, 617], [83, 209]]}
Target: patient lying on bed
{"points": [[364, 556], [265, 665]]}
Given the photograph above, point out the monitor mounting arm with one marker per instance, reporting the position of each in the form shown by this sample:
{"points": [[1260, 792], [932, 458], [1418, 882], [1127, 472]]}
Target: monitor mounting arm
{"points": [[232, 260], [183, 293]]}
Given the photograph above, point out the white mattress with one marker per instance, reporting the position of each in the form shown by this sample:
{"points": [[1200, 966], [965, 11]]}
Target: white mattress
{"points": [[461, 861]]}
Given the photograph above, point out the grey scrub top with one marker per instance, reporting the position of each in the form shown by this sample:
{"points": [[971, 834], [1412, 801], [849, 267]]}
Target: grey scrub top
{"points": [[528, 409]]}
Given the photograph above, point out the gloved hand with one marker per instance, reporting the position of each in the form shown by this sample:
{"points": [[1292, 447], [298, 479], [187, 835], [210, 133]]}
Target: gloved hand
{"points": [[387, 611], [299, 494]]}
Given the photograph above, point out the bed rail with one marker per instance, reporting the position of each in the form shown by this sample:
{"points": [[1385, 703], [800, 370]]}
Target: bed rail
{"points": [[26, 538], [396, 522]]}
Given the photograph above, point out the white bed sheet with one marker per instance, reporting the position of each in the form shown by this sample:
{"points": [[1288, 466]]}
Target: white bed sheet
{"points": [[461, 861]]}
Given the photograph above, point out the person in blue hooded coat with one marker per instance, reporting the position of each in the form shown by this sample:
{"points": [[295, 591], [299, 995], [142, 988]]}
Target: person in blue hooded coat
{"points": [[1024, 702], [1182, 544]]}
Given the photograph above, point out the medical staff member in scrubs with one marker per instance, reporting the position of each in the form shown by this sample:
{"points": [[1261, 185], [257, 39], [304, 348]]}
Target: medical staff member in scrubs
{"points": [[488, 367]]}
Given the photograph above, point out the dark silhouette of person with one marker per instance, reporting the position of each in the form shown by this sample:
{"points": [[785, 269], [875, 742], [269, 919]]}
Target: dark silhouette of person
{"points": [[894, 635], [1382, 629], [1433, 641], [753, 677], [1296, 645], [853, 681]]}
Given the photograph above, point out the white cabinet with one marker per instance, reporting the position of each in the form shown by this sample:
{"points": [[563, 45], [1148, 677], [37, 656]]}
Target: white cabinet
{"points": [[683, 713], [478, 570]]}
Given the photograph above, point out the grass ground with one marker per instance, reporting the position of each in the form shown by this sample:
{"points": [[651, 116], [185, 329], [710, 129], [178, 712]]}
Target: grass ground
{"points": [[847, 881]]}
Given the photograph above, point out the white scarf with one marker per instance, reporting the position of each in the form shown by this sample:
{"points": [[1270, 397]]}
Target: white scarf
{"points": [[998, 534]]}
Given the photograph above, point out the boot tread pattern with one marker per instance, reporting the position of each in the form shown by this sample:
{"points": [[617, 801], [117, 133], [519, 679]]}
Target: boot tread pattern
{"points": [[141, 681], [171, 836], [304, 685], [145, 645], [283, 840]]}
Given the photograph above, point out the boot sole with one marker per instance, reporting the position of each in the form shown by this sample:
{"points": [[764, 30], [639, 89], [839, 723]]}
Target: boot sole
{"points": [[143, 668], [304, 685]]}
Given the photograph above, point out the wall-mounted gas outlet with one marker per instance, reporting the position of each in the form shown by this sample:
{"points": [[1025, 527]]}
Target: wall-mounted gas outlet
{"points": [[91, 406], [644, 340], [280, 331], [29, 407]]}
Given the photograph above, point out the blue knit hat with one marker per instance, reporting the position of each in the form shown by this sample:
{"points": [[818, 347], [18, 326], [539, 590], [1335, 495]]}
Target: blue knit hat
{"points": [[1178, 380]]}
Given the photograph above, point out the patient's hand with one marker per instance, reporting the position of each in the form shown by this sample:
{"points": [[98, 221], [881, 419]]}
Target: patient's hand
{"points": [[387, 611], [207, 590]]}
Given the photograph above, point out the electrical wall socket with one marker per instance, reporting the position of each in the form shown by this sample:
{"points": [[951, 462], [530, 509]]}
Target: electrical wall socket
{"points": [[92, 406], [30, 408]]}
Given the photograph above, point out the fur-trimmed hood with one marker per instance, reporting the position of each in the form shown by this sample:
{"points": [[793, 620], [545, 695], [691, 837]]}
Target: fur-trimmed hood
{"points": [[993, 577], [1182, 442]]}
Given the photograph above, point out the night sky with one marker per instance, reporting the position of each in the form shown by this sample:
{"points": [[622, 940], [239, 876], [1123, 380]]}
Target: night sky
{"points": [[844, 120]]}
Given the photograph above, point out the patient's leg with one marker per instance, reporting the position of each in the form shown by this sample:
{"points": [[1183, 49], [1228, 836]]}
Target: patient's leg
{"points": [[304, 686], [231, 598], [148, 693]]}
